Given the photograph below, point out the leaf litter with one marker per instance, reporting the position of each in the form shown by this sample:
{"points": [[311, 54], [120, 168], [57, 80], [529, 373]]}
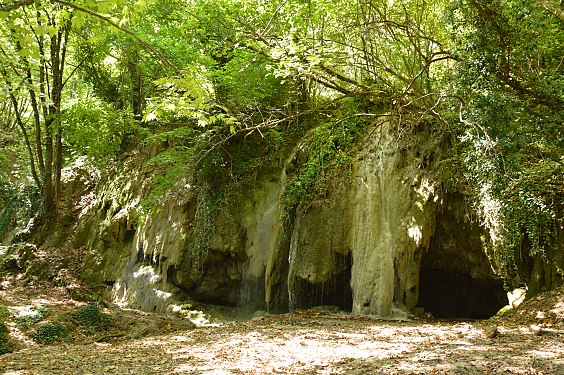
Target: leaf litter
{"points": [[527, 340]]}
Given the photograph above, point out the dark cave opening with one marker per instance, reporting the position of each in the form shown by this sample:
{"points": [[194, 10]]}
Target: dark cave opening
{"points": [[335, 291], [450, 294]]}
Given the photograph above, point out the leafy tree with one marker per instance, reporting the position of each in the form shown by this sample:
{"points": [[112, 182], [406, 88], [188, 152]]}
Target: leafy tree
{"points": [[375, 49], [40, 39], [509, 88], [32, 64]]}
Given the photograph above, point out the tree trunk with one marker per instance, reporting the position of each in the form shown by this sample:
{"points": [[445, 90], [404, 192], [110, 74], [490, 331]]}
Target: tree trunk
{"points": [[48, 194], [37, 120], [58, 163], [136, 83], [26, 140]]}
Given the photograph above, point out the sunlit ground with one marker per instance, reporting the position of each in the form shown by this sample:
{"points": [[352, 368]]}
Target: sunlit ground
{"points": [[306, 344], [382, 347]]}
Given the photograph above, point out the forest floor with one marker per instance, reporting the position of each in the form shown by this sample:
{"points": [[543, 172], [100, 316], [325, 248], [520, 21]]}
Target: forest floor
{"points": [[529, 340], [526, 340]]}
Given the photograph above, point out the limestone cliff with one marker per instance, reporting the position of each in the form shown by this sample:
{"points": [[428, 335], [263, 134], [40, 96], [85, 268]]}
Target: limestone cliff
{"points": [[358, 247]]}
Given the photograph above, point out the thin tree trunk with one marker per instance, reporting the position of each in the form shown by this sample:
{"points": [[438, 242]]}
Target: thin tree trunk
{"points": [[26, 140], [48, 196], [136, 84], [37, 120], [58, 62], [58, 163]]}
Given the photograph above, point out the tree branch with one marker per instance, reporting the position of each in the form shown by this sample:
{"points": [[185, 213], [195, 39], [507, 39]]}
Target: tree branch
{"points": [[149, 47], [15, 5]]}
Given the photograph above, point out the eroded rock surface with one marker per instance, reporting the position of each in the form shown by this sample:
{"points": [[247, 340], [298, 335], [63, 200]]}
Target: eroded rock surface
{"points": [[359, 247]]}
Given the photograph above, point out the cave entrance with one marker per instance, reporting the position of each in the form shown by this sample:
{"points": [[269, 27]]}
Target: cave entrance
{"points": [[456, 279], [334, 291], [449, 294]]}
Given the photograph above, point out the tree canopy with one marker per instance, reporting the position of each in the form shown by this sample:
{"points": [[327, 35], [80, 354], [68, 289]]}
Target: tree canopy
{"points": [[88, 78]]}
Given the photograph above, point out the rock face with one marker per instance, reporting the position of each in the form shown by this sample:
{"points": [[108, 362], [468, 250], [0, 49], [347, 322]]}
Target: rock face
{"points": [[359, 247], [372, 229]]}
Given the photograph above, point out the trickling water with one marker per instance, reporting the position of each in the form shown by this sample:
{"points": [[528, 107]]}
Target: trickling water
{"points": [[291, 300], [264, 234]]}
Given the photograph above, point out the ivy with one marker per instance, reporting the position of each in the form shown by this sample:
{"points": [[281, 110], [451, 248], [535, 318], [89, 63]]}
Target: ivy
{"points": [[329, 151]]}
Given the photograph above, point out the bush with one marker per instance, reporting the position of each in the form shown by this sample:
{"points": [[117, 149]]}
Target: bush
{"points": [[4, 312], [4, 339], [17, 207], [90, 316], [49, 333]]}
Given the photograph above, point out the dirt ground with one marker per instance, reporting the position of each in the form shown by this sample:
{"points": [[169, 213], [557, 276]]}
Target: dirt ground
{"points": [[527, 341]]}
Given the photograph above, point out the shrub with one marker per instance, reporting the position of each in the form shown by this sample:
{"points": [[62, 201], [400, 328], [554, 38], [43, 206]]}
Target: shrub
{"points": [[4, 312], [49, 333], [90, 316], [5, 347]]}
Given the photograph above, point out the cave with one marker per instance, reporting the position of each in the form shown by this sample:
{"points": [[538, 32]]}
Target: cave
{"points": [[456, 278], [335, 291], [449, 294]]}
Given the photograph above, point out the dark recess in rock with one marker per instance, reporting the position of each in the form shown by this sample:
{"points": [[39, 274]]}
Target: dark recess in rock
{"points": [[448, 294], [456, 278], [336, 291]]}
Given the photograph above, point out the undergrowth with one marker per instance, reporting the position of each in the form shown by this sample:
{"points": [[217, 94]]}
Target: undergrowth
{"points": [[90, 316], [18, 207], [5, 346], [49, 333]]}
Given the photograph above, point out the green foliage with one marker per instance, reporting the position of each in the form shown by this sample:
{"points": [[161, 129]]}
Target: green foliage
{"points": [[5, 346], [328, 152], [49, 333], [4, 312], [161, 185], [3, 163], [90, 316], [19, 207], [184, 98], [93, 128], [172, 163], [510, 82], [245, 82], [31, 315]]}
